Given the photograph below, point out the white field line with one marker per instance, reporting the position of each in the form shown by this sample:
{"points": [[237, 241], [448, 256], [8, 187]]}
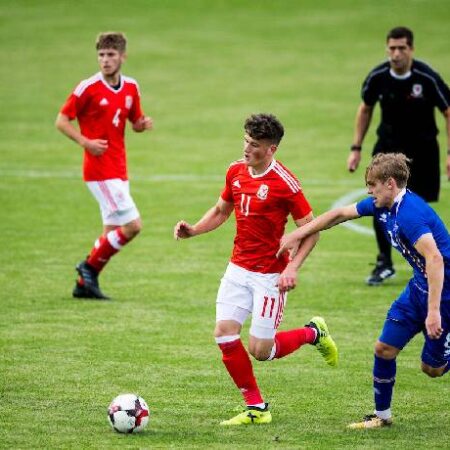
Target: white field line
{"points": [[348, 199], [186, 177], [72, 174]]}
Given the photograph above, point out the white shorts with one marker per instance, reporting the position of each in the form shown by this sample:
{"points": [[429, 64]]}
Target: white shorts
{"points": [[116, 205], [242, 292]]}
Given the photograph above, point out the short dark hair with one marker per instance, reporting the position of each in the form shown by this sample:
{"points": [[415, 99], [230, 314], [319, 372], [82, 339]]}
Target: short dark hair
{"points": [[264, 126], [401, 32], [111, 39]]}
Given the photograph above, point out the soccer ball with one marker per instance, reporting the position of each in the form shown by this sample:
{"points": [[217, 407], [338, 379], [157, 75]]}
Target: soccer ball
{"points": [[128, 413]]}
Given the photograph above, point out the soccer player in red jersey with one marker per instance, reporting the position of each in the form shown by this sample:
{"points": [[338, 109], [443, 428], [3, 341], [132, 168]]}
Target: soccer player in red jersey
{"points": [[102, 104], [263, 193]]}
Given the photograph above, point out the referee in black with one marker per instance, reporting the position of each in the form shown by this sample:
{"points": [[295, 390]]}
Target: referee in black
{"points": [[407, 90]]}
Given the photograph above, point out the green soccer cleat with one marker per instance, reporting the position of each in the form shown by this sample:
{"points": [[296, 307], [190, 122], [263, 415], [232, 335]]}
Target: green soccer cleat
{"points": [[250, 416], [370, 421], [324, 342]]}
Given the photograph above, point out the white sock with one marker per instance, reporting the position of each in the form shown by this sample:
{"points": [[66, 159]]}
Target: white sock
{"points": [[386, 414], [259, 405]]}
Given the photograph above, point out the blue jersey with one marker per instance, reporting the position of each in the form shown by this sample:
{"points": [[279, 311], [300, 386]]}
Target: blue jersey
{"points": [[404, 223]]}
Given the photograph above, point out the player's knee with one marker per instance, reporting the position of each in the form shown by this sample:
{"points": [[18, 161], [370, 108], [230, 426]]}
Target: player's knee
{"points": [[227, 328], [132, 229], [260, 354], [260, 350], [385, 351], [432, 372]]}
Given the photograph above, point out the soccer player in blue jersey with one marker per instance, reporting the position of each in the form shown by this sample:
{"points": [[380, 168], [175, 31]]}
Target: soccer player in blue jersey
{"points": [[418, 233]]}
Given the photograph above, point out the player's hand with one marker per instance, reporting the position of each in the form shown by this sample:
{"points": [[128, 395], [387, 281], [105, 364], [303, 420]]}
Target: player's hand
{"points": [[182, 230], [96, 147], [142, 124], [289, 244], [433, 324], [288, 279], [353, 160]]}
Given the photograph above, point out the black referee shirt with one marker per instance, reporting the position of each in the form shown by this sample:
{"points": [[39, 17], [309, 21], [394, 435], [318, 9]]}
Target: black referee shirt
{"points": [[407, 102]]}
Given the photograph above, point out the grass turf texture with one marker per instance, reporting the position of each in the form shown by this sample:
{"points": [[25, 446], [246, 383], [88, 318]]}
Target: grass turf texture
{"points": [[203, 67]]}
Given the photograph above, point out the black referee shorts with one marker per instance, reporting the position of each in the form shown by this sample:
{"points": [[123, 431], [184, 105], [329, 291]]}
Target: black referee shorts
{"points": [[425, 179]]}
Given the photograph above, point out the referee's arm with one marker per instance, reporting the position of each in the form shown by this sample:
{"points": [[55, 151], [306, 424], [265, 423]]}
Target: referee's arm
{"points": [[362, 123]]}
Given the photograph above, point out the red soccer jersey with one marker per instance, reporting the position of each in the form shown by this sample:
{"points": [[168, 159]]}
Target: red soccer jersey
{"points": [[102, 112], [262, 204]]}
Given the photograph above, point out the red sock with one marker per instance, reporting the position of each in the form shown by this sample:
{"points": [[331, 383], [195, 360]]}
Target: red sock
{"points": [[108, 245], [239, 366], [289, 341]]}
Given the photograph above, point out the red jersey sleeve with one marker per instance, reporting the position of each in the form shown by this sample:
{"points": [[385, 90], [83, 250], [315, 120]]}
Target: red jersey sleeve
{"points": [[74, 105], [298, 206], [136, 110], [227, 193]]}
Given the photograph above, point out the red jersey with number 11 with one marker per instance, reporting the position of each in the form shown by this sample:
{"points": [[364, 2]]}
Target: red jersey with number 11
{"points": [[262, 204], [102, 113]]}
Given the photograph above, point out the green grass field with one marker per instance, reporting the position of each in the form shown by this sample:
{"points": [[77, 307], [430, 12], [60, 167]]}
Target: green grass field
{"points": [[203, 67]]}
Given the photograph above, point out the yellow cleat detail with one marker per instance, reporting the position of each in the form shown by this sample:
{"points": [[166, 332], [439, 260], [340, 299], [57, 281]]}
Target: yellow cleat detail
{"points": [[249, 417], [324, 342], [371, 421]]}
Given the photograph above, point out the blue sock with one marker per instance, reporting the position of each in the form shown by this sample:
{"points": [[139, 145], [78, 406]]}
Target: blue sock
{"points": [[384, 371]]}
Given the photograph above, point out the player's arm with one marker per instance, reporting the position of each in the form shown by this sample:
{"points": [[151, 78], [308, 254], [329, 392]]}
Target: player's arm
{"points": [[447, 122], [212, 219], [94, 146], [434, 264], [362, 123], [288, 278], [292, 241]]}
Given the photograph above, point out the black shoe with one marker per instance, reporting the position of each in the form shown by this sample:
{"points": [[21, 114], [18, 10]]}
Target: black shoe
{"points": [[90, 287], [79, 291], [381, 273]]}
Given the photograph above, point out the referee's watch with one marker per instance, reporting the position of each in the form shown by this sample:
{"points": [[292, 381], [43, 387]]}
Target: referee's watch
{"points": [[357, 148]]}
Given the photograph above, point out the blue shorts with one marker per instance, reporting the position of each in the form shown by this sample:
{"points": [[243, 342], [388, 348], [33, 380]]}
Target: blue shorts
{"points": [[406, 318]]}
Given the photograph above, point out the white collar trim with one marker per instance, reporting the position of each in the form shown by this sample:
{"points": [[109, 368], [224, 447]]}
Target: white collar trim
{"points": [[399, 77], [398, 199], [109, 86], [259, 175]]}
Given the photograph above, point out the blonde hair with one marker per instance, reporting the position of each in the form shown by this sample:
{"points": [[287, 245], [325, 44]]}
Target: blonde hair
{"points": [[111, 39], [389, 165]]}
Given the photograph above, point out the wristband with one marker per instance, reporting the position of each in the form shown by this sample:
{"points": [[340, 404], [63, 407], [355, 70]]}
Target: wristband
{"points": [[358, 148], [448, 152]]}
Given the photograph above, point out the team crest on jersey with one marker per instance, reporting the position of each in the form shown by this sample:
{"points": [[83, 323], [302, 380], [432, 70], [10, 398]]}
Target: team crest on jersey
{"points": [[383, 217], [104, 102], [262, 192], [417, 90], [128, 101]]}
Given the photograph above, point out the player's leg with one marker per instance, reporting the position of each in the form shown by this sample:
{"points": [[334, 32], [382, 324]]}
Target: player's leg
{"points": [[121, 222], [404, 320], [111, 242], [436, 352], [266, 343], [234, 303], [384, 268]]}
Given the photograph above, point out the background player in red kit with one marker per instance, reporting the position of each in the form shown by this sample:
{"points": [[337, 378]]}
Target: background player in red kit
{"points": [[102, 104], [262, 193]]}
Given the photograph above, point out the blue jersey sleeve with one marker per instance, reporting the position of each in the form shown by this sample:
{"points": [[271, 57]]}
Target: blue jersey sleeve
{"points": [[414, 226], [366, 207]]}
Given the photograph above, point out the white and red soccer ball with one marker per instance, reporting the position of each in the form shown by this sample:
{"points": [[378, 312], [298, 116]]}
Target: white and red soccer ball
{"points": [[128, 413]]}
